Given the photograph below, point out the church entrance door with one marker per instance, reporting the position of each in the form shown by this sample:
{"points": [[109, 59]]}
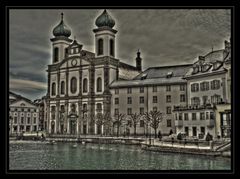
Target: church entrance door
{"points": [[99, 128], [84, 129], [73, 126]]}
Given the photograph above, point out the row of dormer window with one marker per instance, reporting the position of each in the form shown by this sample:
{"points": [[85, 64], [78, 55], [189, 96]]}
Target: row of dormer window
{"points": [[205, 67]]}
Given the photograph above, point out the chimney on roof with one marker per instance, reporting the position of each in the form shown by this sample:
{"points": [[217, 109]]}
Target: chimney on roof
{"points": [[139, 61]]}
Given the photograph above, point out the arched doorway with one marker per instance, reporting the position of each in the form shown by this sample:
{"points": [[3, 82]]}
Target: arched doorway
{"points": [[73, 126], [99, 129], [73, 123]]}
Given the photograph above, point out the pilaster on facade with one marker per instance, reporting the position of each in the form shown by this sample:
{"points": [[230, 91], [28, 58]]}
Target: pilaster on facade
{"points": [[66, 126], [80, 117], [57, 116]]}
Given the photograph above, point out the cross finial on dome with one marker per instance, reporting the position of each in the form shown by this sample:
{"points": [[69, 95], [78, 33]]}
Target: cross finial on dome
{"points": [[61, 29], [62, 16], [74, 37]]}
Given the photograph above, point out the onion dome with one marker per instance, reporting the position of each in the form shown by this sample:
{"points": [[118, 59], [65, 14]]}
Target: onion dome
{"points": [[105, 20], [61, 29]]}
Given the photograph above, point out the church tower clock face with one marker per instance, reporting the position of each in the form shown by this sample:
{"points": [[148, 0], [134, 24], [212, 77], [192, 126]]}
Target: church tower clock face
{"points": [[74, 62]]}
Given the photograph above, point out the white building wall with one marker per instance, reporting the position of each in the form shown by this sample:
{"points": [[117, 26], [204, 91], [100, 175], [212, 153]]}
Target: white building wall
{"points": [[106, 35], [99, 72], [148, 104], [112, 73]]}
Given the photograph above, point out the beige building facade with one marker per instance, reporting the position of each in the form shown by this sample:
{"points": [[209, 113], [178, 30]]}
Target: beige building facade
{"points": [[23, 115], [155, 89], [209, 95]]}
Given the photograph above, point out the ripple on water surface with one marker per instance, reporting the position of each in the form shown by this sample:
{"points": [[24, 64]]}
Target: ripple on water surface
{"points": [[65, 156]]}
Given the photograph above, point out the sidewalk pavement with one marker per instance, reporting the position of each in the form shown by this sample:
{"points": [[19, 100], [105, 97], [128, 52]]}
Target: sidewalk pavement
{"points": [[164, 144]]}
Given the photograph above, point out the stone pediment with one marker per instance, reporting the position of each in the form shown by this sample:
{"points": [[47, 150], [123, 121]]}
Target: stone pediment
{"points": [[22, 103], [74, 61]]}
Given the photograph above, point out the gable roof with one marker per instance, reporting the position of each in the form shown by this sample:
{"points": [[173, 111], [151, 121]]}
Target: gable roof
{"points": [[17, 98], [127, 72], [213, 56], [156, 76], [162, 71], [18, 103]]}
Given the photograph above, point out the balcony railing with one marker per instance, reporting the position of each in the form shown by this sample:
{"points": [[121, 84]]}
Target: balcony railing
{"points": [[179, 123], [193, 107]]}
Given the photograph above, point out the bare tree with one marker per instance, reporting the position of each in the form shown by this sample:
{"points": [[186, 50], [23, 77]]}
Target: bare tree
{"points": [[135, 118], [92, 118], [119, 121], [153, 118], [108, 123], [103, 119]]}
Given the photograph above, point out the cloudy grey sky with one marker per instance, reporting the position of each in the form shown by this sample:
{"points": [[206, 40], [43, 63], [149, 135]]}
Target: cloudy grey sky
{"points": [[164, 37]]}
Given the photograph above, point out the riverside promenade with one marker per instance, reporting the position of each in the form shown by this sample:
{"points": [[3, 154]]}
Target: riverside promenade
{"points": [[167, 144]]}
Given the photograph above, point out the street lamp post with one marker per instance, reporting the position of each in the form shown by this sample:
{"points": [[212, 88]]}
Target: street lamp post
{"points": [[150, 136]]}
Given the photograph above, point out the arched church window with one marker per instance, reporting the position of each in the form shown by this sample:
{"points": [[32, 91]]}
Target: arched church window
{"points": [[100, 47], [62, 87], [56, 54], [112, 47], [99, 85], [53, 89], [85, 83], [73, 85]]}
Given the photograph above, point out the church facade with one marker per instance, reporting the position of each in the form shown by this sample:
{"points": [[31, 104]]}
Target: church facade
{"points": [[78, 80]]}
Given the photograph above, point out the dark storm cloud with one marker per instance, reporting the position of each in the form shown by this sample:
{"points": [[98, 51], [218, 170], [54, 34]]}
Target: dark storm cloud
{"points": [[165, 37]]}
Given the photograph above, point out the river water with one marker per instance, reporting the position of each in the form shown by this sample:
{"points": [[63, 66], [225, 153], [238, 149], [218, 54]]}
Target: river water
{"points": [[66, 156]]}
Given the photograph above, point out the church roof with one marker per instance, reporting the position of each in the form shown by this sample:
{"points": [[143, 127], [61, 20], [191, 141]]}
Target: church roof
{"points": [[127, 72], [162, 72], [89, 54]]}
